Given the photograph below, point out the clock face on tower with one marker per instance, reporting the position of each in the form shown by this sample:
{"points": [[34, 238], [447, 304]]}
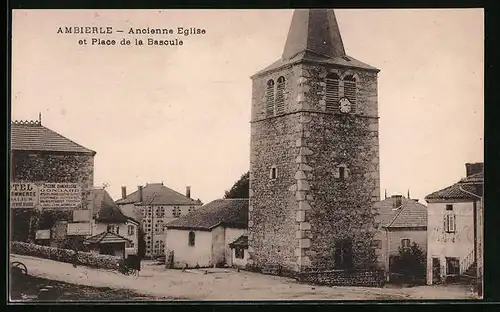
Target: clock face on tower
{"points": [[345, 105]]}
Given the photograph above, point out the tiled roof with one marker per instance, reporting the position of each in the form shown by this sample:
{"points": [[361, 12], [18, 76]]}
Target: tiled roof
{"points": [[227, 212], [158, 194], [242, 241], [454, 192], [106, 238], [410, 214], [32, 136], [105, 209]]}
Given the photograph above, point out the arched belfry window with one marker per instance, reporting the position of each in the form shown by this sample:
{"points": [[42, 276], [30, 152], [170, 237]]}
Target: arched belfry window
{"points": [[280, 95], [332, 92], [270, 98], [350, 89]]}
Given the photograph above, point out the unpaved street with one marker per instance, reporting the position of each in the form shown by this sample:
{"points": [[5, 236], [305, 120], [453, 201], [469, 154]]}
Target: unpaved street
{"points": [[226, 284]]}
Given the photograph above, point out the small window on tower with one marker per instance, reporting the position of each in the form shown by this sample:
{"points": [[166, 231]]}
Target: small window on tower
{"points": [[273, 174], [350, 89], [341, 173], [280, 95], [332, 92]]}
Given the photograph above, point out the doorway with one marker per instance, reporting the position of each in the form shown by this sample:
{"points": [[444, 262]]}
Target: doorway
{"points": [[436, 270]]}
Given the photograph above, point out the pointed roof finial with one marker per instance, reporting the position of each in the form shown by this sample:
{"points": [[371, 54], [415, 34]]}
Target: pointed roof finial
{"points": [[385, 194], [316, 31], [408, 193], [40, 118]]}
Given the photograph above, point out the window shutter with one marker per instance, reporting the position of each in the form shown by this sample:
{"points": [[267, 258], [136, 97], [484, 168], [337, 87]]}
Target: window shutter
{"points": [[350, 90], [280, 96], [270, 98], [332, 93]]}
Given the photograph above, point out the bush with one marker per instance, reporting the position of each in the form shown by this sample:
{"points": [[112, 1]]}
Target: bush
{"points": [[409, 265], [65, 255]]}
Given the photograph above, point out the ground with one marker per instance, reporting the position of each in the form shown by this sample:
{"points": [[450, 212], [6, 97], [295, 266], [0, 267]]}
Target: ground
{"points": [[224, 284]]}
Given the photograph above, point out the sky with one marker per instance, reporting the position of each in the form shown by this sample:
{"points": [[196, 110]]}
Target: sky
{"points": [[180, 114]]}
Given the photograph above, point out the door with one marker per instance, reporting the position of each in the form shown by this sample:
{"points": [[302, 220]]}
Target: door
{"points": [[436, 270]]}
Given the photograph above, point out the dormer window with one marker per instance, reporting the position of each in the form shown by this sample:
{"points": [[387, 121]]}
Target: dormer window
{"points": [[342, 172], [270, 98]]}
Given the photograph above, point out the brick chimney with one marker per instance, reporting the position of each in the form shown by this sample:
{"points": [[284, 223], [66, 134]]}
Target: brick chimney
{"points": [[139, 189], [188, 191], [124, 192], [474, 168]]}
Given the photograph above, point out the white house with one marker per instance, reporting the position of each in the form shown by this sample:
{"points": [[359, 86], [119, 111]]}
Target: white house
{"points": [[401, 222], [239, 252], [455, 228], [154, 205], [202, 237], [112, 231]]}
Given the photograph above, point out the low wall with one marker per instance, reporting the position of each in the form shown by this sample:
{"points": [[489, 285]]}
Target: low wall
{"points": [[370, 278]]}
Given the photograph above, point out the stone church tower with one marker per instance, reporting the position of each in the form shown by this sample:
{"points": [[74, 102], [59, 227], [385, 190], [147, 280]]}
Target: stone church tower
{"points": [[314, 165]]}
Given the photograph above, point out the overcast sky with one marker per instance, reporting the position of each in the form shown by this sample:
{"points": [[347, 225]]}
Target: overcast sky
{"points": [[181, 114]]}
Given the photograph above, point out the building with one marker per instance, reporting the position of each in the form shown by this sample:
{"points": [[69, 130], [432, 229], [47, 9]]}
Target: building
{"points": [[50, 174], [202, 238], [314, 165], [401, 222], [154, 205], [112, 231], [455, 229]]}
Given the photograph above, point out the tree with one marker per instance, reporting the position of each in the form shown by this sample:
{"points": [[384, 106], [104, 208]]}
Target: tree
{"points": [[410, 263], [240, 188], [141, 243]]}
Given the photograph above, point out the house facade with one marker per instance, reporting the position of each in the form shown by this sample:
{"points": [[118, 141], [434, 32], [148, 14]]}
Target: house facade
{"points": [[401, 222], [239, 252], [455, 227], [314, 163], [109, 218], [154, 205], [202, 238], [54, 175]]}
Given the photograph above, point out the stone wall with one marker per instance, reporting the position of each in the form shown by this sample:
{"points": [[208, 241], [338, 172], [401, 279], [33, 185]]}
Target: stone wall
{"points": [[295, 219], [368, 278]]}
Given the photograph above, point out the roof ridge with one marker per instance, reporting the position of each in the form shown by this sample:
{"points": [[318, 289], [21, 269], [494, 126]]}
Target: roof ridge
{"points": [[399, 213], [62, 136]]}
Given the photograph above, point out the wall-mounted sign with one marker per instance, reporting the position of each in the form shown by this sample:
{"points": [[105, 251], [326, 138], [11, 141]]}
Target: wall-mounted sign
{"points": [[81, 228], [45, 195], [60, 195], [42, 234], [23, 195]]}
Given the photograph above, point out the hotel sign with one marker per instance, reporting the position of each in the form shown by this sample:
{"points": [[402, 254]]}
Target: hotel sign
{"points": [[45, 195]]}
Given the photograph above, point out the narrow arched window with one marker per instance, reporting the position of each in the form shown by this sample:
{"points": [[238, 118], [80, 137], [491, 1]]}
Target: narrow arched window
{"points": [[350, 90], [280, 95], [191, 238], [270, 98], [332, 92]]}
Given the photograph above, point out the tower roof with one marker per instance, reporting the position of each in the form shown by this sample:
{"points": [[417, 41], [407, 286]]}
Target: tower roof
{"points": [[314, 37], [315, 31]]}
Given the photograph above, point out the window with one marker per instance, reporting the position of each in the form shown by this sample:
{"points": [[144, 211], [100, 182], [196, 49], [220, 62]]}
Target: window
{"points": [[341, 173], [177, 212], [350, 89], [130, 230], [449, 207], [160, 212], [274, 173], [191, 238], [332, 92], [280, 95], [130, 245], [159, 227], [405, 243], [239, 253], [449, 223], [343, 254], [117, 230], [270, 98], [452, 266], [191, 209], [110, 228]]}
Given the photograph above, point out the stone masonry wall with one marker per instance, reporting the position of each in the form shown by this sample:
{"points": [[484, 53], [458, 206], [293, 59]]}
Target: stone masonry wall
{"points": [[308, 145], [370, 278], [55, 168]]}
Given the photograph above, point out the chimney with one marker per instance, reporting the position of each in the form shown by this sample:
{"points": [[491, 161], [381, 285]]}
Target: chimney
{"points": [[397, 200], [474, 168], [124, 192], [139, 189], [188, 191]]}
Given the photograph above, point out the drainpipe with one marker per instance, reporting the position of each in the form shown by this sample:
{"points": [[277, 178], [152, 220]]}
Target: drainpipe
{"points": [[479, 280], [388, 254]]}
